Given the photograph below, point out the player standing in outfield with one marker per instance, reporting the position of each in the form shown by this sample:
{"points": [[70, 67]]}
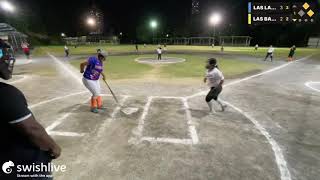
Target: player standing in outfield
{"points": [[91, 76], [291, 53], [270, 53], [137, 48], [66, 50], [256, 47], [215, 79], [159, 52], [26, 49]]}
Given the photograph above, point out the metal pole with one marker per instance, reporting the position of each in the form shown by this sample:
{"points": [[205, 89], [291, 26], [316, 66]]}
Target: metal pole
{"points": [[15, 40]]}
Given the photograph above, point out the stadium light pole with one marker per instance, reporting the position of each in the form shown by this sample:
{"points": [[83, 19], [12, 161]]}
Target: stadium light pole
{"points": [[7, 6], [120, 37], [214, 20], [153, 25]]}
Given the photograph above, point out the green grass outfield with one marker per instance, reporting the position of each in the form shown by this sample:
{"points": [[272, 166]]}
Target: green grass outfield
{"points": [[280, 53], [125, 67]]}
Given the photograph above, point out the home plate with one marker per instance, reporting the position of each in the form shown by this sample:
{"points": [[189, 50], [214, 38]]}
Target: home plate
{"points": [[129, 111]]}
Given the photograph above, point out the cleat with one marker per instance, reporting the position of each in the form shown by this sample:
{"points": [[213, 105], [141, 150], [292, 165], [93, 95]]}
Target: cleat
{"points": [[94, 110], [223, 108], [102, 108], [212, 113]]}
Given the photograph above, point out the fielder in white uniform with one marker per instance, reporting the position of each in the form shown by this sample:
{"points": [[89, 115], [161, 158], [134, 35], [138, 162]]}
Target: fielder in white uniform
{"points": [[215, 79], [270, 53], [159, 52]]}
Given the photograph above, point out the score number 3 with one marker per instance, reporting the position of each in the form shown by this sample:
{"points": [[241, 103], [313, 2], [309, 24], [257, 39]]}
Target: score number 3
{"points": [[284, 7]]}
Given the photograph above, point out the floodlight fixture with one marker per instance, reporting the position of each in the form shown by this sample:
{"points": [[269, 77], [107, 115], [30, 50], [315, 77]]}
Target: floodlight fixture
{"points": [[153, 24], [7, 6], [215, 19], [91, 21]]}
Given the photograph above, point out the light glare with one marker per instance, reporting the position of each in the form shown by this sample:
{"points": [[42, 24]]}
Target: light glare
{"points": [[5, 5], [215, 19], [153, 24], [91, 21]]}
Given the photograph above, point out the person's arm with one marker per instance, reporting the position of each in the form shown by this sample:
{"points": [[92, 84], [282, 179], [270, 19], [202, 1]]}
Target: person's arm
{"points": [[4, 71], [222, 78], [205, 80], [82, 66], [38, 136], [222, 82], [20, 117]]}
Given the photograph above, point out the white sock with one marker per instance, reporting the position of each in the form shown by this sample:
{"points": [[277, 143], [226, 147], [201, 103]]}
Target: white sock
{"points": [[220, 103], [210, 106]]}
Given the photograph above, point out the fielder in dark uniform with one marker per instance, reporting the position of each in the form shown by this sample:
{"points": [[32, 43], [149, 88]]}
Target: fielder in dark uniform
{"points": [[291, 53], [23, 140]]}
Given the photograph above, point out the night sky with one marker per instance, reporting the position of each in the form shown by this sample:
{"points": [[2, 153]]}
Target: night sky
{"points": [[132, 17]]}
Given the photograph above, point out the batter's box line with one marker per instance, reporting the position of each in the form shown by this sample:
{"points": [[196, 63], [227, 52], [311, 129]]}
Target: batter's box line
{"points": [[58, 122], [167, 140], [191, 127], [310, 84], [67, 134]]}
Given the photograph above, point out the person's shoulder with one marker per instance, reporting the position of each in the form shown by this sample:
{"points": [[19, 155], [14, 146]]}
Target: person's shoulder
{"points": [[212, 71], [92, 58], [216, 70], [8, 90]]}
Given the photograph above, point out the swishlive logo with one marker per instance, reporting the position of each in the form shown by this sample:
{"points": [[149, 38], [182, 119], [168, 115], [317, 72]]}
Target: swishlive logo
{"points": [[32, 170]]}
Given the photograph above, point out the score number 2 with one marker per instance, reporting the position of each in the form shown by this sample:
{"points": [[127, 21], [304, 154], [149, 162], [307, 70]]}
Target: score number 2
{"points": [[284, 19]]}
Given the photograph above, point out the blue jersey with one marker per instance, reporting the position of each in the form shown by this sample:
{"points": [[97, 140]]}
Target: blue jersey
{"points": [[93, 69]]}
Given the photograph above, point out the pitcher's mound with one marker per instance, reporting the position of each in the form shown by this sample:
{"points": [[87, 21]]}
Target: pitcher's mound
{"points": [[165, 60]]}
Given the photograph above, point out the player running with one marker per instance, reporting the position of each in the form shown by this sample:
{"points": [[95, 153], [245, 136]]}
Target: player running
{"points": [[215, 79], [92, 69], [291, 53], [270, 53]]}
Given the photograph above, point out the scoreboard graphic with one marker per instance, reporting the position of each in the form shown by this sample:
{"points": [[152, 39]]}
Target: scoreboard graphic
{"points": [[281, 12]]}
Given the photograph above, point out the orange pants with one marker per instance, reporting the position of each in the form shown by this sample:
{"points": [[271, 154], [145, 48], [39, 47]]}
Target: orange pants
{"points": [[96, 102]]}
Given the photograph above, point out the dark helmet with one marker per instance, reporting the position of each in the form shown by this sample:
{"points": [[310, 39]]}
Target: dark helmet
{"points": [[212, 62]]}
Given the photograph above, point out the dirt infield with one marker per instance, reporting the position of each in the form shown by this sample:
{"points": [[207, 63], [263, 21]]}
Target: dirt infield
{"points": [[269, 131]]}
